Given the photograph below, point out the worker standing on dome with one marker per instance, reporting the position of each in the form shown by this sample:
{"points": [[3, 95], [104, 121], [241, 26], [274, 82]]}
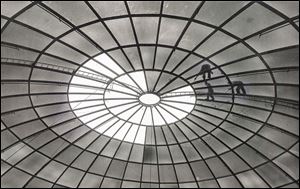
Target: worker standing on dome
{"points": [[239, 86], [205, 69], [210, 92]]}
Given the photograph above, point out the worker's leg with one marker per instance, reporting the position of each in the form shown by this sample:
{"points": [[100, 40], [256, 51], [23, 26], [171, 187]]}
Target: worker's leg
{"points": [[243, 90], [209, 75], [207, 97], [204, 76], [238, 90], [212, 97]]}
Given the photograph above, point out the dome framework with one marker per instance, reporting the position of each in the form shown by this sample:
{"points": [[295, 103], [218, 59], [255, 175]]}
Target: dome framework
{"points": [[73, 76]]}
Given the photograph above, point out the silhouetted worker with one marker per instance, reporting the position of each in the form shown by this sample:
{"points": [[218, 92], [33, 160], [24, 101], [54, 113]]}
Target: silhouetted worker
{"points": [[210, 92], [205, 69], [239, 86]]}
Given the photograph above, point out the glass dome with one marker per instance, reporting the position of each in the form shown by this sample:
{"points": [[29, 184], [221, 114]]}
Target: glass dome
{"points": [[149, 94]]}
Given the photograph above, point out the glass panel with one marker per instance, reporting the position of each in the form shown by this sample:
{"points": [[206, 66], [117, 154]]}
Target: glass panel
{"points": [[130, 136], [251, 180], [68, 155], [84, 160], [144, 7], [137, 153], [286, 123], [38, 183], [33, 163], [100, 165], [116, 169], [123, 151], [289, 163], [229, 182], [45, 23], [188, 185], [123, 131], [33, 39], [283, 139], [208, 184], [134, 57], [163, 155], [184, 173], [111, 183], [28, 129], [275, 39], [190, 61], [81, 43], [290, 8], [160, 138], [217, 12], [218, 167], [54, 147], [150, 138], [235, 163], [216, 42], [250, 156], [133, 171], [160, 59], [201, 170], [194, 35], [277, 178], [146, 28], [148, 57], [175, 59], [150, 155], [256, 16], [150, 173], [109, 8], [12, 7], [190, 152], [167, 173], [188, 132], [233, 53], [67, 9], [104, 40], [121, 60], [71, 177], [9, 179], [178, 134], [63, 51], [86, 140], [126, 37], [97, 145], [7, 139], [215, 144], [39, 74], [290, 57], [177, 8], [18, 117], [18, 53], [170, 30], [226, 138], [111, 148], [90, 181], [52, 171], [140, 137], [127, 184]]}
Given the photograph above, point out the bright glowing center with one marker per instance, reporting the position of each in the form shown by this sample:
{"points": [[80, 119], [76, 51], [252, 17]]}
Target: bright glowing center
{"points": [[149, 99]]}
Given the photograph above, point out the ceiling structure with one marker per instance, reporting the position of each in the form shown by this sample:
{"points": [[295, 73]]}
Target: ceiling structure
{"points": [[105, 94]]}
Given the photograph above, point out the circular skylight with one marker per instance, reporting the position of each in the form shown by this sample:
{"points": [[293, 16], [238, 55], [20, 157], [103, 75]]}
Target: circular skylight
{"points": [[149, 99]]}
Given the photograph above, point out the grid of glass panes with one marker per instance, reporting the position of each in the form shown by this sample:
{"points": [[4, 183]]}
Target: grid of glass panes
{"points": [[234, 141]]}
